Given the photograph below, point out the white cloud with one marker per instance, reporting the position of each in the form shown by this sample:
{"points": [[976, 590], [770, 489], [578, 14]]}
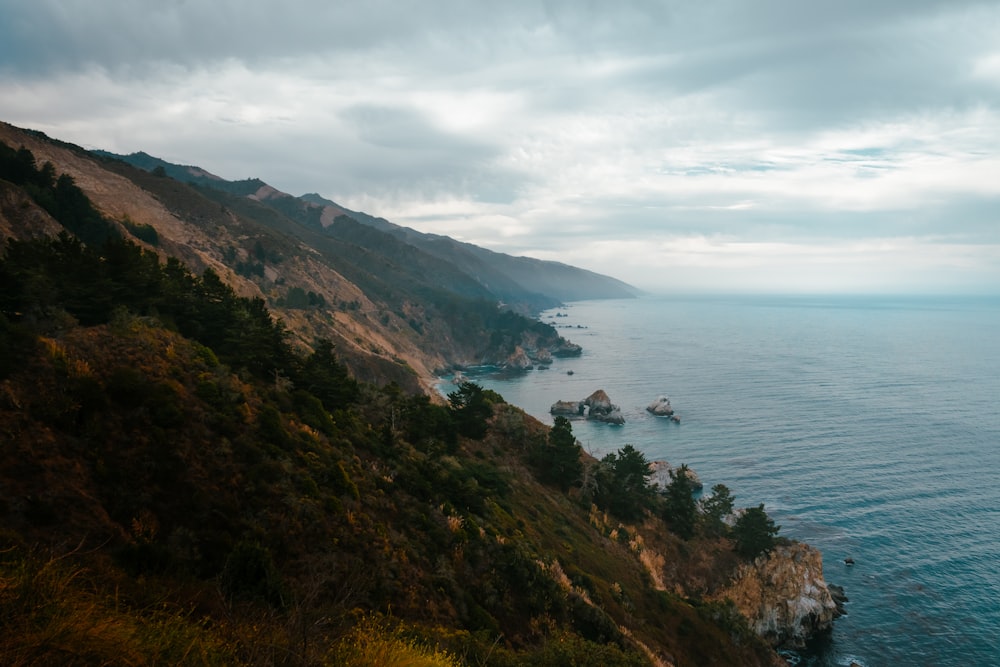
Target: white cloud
{"points": [[719, 140]]}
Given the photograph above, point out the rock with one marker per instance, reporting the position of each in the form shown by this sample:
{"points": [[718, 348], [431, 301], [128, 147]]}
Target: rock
{"points": [[543, 356], [519, 361], [599, 401], [661, 475], [567, 349], [660, 407], [783, 595], [839, 598], [567, 408], [600, 408], [614, 416], [597, 407]]}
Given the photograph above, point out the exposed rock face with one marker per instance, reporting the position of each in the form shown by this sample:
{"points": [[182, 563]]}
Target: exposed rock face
{"points": [[567, 408], [600, 408], [597, 406], [599, 401], [519, 361], [661, 475], [660, 407], [567, 349], [543, 357], [783, 595]]}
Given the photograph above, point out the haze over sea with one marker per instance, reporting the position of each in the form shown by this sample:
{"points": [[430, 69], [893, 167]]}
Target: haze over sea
{"points": [[868, 426]]}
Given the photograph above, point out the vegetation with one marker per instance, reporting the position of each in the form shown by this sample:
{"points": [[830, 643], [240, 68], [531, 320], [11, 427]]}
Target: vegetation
{"points": [[558, 460], [754, 532], [182, 485], [680, 509], [620, 483]]}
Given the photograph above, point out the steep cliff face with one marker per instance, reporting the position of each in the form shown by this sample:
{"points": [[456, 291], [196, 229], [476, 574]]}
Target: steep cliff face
{"points": [[783, 595]]}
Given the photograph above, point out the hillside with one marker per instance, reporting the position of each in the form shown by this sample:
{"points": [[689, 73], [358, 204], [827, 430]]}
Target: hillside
{"points": [[395, 313], [192, 479], [165, 493], [520, 281]]}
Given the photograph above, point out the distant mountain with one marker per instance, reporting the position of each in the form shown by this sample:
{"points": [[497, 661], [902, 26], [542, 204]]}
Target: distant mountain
{"points": [[523, 281], [502, 273]]}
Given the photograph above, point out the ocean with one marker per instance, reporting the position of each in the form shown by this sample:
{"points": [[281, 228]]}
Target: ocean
{"points": [[868, 426]]}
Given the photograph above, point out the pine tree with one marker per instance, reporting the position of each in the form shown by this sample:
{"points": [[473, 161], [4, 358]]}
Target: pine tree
{"points": [[754, 532], [681, 510]]}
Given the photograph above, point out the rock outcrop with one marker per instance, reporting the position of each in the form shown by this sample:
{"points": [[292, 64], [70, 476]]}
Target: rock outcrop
{"points": [[661, 475], [567, 349], [661, 407], [600, 408], [519, 360], [567, 408], [597, 406], [783, 595]]}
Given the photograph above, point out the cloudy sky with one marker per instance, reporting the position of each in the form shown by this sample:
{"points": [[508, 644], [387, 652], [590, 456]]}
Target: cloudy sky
{"points": [[774, 145]]}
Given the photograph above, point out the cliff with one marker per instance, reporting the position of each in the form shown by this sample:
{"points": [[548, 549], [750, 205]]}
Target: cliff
{"points": [[783, 595]]}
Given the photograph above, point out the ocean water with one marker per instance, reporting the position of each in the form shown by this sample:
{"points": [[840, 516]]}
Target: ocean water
{"points": [[869, 427]]}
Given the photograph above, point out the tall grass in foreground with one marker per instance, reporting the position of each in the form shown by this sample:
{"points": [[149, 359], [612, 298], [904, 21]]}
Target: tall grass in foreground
{"points": [[50, 614], [372, 644]]}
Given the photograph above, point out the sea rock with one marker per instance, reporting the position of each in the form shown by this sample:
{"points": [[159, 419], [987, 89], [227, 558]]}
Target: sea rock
{"points": [[567, 349], [783, 595], [567, 408], [614, 416], [661, 475], [600, 408], [599, 401], [597, 406], [660, 407]]}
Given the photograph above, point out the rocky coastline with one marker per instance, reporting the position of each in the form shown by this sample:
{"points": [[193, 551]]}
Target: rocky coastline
{"points": [[784, 596]]}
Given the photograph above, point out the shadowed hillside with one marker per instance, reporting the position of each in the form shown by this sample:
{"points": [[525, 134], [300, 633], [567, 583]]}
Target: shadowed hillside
{"points": [[191, 477]]}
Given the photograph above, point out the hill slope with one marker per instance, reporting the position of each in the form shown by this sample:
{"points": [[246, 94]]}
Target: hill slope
{"points": [[394, 312], [191, 480]]}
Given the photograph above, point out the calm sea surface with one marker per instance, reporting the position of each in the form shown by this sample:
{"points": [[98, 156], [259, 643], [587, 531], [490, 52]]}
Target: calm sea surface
{"points": [[869, 427]]}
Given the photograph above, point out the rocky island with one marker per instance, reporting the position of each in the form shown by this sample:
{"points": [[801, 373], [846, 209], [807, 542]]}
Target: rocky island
{"points": [[596, 407]]}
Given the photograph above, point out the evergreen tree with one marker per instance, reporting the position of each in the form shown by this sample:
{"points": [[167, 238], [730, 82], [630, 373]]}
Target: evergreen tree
{"points": [[471, 407], [681, 512], [558, 460], [622, 484], [754, 532], [715, 509]]}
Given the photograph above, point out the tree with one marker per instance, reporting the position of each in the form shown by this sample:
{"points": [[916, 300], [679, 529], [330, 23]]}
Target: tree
{"points": [[681, 512], [622, 484], [558, 460], [323, 376], [471, 407], [754, 532], [715, 509]]}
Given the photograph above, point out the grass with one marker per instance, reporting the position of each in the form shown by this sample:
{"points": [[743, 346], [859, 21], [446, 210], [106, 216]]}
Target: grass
{"points": [[52, 613]]}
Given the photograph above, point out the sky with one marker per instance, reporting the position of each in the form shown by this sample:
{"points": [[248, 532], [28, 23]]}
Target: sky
{"points": [[710, 146]]}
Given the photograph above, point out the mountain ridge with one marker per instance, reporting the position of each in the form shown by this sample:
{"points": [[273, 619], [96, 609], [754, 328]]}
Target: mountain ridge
{"points": [[506, 276]]}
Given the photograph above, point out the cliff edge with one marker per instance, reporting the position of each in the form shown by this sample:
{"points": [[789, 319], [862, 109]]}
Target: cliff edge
{"points": [[783, 595]]}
